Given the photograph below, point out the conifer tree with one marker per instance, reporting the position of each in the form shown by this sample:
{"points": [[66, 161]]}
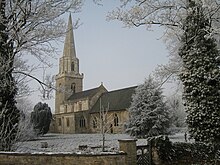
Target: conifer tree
{"points": [[9, 114], [200, 76], [148, 111], [41, 118]]}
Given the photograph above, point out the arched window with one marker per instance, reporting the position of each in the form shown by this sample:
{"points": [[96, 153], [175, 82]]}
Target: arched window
{"points": [[73, 87], [80, 106], [72, 66], [65, 109], [115, 119], [94, 122], [59, 122], [72, 108], [82, 122], [67, 122], [111, 128]]}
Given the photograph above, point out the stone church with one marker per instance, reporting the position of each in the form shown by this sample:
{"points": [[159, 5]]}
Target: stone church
{"points": [[78, 111]]}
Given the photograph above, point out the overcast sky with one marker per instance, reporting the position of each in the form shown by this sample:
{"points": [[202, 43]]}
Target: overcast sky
{"points": [[109, 53]]}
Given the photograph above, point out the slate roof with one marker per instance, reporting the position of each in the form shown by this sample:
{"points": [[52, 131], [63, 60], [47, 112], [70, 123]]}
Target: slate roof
{"points": [[84, 94], [118, 100]]}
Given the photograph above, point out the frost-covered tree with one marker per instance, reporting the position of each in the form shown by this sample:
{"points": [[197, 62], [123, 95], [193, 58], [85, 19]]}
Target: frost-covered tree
{"points": [[27, 27], [199, 82], [9, 114], [176, 111], [200, 75], [41, 118], [148, 111], [25, 127], [168, 14], [21, 65]]}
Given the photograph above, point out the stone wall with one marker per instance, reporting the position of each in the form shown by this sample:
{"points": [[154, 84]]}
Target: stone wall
{"points": [[60, 159], [127, 156], [129, 147]]}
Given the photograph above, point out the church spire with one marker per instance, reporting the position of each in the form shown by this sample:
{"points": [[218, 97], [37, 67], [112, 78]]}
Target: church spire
{"points": [[68, 80], [69, 45]]}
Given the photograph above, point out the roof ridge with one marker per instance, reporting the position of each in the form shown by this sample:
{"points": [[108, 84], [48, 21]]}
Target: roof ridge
{"points": [[88, 90], [86, 93], [123, 89]]}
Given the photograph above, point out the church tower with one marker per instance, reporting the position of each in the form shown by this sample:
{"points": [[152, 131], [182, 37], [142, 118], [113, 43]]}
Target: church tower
{"points": [[68, 80]]}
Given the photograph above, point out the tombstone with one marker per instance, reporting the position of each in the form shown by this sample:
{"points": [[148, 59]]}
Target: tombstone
{"points": [[44, 145]]}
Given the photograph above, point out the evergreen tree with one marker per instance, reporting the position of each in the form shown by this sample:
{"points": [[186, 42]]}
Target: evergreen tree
{"points": [[41, 118], [200, 76], [9, 114], [148, 111]]}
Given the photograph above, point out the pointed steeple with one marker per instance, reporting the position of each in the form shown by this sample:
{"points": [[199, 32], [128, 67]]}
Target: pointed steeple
{"points": [[68, 80], [69, 45]]}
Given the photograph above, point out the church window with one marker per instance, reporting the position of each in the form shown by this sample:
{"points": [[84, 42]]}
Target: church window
{"points": [[59, 121], [82, 122], [94, 122], [115, 119], [80, 106], [111, 128], [65, 109], [67, 122], [73, 87], [72, 66]]}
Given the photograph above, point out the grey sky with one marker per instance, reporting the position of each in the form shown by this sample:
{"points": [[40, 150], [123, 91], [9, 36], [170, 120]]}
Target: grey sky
{"points": [[119, 57]]}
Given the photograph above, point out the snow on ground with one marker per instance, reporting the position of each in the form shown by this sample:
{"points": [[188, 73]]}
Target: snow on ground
{"points": [[71, 142]]}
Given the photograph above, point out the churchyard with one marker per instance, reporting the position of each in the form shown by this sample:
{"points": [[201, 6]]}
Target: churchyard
{"points": [[92, 143]]}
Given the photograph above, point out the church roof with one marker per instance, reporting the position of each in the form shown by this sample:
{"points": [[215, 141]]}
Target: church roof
{"points": [[84, 94], [117, 100]]}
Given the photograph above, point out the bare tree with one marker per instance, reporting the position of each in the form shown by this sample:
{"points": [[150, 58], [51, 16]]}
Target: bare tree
{"points": [[21, 80], [176, 110], [26, 28], [105, 122], [25, 127], [168, 14], [47, 85]]}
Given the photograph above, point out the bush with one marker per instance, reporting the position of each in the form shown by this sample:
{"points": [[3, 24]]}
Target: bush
{"points": [[41, 118], [186, 152]]}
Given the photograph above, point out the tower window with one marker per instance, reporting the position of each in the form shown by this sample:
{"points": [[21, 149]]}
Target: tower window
{"points": [[82, 122], [115, 119], [80, 106], [72, 66], [73, 87]]}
